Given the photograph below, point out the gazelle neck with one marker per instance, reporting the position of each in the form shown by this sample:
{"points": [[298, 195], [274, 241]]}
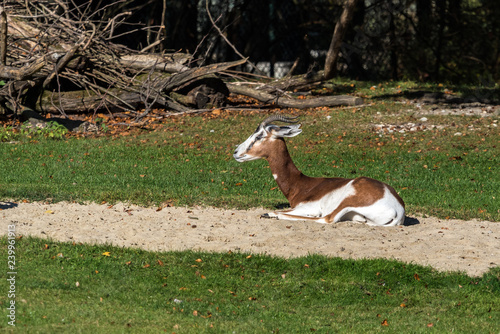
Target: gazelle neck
{"points": [[286, 174]]}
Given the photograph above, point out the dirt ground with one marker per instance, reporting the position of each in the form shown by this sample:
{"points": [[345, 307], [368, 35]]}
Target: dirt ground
{"points": [[447, 245]]}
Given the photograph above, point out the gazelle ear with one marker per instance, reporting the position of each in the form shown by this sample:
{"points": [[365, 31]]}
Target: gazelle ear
{"points": [[285, 131]]}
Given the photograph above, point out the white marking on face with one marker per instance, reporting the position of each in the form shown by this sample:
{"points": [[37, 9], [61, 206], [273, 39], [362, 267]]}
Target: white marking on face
{"points": [[241, 153], [275, 176]]}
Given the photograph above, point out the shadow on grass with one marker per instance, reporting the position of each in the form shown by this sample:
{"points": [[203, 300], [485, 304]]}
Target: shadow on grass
{"points": [[480, 95], [35, 119], [7, 205], [336, 89]]}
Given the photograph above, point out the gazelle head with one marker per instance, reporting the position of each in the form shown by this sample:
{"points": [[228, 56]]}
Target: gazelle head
{"points": [[258, 145]]}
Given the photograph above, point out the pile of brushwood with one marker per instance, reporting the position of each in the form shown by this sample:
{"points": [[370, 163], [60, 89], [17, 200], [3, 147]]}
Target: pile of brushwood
{"points": [[53, 63]]}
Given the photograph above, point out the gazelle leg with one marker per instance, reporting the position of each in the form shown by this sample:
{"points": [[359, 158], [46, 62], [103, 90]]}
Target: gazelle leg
{"points": [[289, 215]]}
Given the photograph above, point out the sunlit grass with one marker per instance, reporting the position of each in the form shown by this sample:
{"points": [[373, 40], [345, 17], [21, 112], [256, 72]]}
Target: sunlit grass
{"points": [[72, 287], [485, 90], [189, 162]]}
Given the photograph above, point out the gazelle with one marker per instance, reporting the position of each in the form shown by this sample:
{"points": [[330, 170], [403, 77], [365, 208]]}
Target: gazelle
{"points": [[323, 200]]}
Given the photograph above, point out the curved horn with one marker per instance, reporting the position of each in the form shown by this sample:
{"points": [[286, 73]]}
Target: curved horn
{"points": [[280, 118]]}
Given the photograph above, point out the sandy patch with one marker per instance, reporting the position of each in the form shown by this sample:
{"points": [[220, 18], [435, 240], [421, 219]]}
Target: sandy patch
{"points": [[447, 245]]}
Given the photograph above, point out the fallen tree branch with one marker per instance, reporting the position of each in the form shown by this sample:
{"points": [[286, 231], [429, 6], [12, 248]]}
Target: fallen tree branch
{"points": [[324, 101], [183, 78], [63, 61], [167, 63], [298, 82], [23, 73], [93, 74], [85, 101]]}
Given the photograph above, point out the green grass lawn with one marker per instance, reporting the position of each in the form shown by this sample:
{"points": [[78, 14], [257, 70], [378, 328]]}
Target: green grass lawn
{"points": [[64, 287], [189, 161]]}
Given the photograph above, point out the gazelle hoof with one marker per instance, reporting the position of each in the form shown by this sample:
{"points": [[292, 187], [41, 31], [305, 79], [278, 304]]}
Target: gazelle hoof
{"points": [[269, 215]]}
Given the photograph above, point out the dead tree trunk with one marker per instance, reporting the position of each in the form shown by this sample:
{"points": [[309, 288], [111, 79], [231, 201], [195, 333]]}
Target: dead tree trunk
{"points": [[337, 38]]}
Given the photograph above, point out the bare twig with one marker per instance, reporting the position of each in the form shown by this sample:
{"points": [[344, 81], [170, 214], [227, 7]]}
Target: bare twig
{"points": [[162, 30], [226, 39], [147, 89], [152, 45], [112, 23], [60, 65], [3, 37]]}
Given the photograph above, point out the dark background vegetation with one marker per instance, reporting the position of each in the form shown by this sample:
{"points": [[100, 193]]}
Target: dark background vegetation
{"points": [[424, 40]]}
